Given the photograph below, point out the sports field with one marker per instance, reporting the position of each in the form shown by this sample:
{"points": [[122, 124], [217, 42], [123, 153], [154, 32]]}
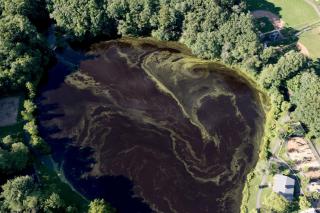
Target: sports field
{"points": [[311, 40], [296, 14]]}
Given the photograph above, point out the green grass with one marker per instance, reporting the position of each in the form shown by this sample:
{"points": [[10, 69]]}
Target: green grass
{"points": [[265, 193], [311, 40], [52, 183], [295, 13], [253, 190]]}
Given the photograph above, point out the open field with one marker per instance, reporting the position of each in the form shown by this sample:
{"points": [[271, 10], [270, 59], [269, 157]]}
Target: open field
{"points": [[295, 13], [311, 40]]}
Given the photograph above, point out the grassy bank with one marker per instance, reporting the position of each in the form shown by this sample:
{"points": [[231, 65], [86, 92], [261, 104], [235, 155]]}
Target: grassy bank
{"points": [[51, 181]]}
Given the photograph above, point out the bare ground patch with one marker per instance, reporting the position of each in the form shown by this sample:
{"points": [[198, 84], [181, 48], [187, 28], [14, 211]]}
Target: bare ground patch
{"points": [[303, 49], [8, 111], [274, 19]]}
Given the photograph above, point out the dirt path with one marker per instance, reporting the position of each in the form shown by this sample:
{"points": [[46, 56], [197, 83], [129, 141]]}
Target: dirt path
{"points": [[273, 18], [303, 49], [314, 5]]}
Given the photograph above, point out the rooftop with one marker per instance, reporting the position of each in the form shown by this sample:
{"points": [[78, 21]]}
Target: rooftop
{"points": [[284, 186]]}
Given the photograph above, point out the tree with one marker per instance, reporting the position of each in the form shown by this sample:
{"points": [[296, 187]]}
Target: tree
{"points": [[35, 10], [53, 202], [20, 52], [82, 18], [304, 203], [286, 68], [100, 206], [31, 90], [134, 17], [304, 90], [29, 108], [169, 23], [276, 203], [14, 155], [8, 140], [19, 156], [20, 194], [31, 128]]}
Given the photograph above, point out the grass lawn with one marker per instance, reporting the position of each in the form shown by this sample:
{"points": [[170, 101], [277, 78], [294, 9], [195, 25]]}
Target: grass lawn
{"points": [[295, 13], [253, 190], [311, 40], [265, 193]]}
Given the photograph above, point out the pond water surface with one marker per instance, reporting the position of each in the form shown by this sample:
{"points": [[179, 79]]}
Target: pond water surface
{"points": [[150, 128]]}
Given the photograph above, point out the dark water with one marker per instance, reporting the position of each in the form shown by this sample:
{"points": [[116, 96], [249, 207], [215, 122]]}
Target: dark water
{"points": [[151, 129]]}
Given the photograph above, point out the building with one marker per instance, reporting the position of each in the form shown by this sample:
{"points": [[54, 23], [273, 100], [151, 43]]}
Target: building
{"points": [[284, 186]]}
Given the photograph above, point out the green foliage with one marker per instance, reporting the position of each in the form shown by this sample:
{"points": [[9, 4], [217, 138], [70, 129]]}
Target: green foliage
{"points": [[286, 68], [134, 17], [31, 90], [100, 206], [20, 52], [14, 155], [34, 10], [31, 128], [29, 108], [304, 203], [53, 202], [276, 203], [82, 18], [169, 22], [304, 90], [212, 29], [20, 194]]}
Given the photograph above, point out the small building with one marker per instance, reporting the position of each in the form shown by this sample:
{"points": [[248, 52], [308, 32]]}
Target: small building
{"points": [[284, 186]]}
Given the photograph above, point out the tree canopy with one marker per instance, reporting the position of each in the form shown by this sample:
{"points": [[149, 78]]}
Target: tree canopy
{"points": [[212, 29], [14, 155], [22, 194], [100, 206], [276, 203], [20, 52], [304, 94], [82, 18]]}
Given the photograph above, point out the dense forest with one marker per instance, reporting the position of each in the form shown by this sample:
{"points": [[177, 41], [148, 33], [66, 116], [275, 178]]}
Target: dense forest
{"points": [[221, 30]]}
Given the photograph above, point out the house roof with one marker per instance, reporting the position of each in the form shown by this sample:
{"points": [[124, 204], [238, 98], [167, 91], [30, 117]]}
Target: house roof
{"points": [[284, 186]]}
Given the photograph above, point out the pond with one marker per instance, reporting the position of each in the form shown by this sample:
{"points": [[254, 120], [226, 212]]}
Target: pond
{"points": [[150, 128]]}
